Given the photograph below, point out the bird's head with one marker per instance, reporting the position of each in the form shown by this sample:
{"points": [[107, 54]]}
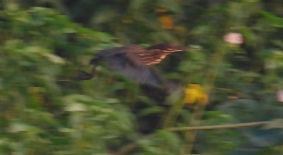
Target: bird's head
{"points": [[168, 48]]}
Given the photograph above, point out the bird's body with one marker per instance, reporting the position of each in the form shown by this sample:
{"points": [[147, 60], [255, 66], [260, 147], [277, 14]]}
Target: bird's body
{"points": [[140, 56], [135, 62]]}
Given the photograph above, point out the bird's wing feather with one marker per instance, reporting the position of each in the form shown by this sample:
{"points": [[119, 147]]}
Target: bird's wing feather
{"points": [[135, 59], [142, 75], [130, 61], [131, 53]]}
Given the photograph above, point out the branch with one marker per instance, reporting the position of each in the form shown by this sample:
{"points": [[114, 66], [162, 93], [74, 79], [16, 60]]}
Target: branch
{"points": [[127, 148], [229, 126]]}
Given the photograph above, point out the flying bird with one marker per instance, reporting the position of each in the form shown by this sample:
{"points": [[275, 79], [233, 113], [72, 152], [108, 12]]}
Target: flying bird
{"points": [[134, 62]]}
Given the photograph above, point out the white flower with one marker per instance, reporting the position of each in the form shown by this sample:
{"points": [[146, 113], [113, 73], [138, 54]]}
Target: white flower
{"points": [[234, 38], [280, 95]]}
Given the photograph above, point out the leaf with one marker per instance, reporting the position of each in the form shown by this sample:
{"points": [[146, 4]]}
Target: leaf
{"points": [[171, 5], [275, 123], [73, 107], [201, 30], [170, 139], [277, 21], [263, 138], [278, 43], [250, 37], [242, 110], [151, 110], [111, 100], [104, 14], [136, 5], [66, 130], [69, 30], [17, 127], [75, 102], [76, 98], [146, 100], [53, 58]]}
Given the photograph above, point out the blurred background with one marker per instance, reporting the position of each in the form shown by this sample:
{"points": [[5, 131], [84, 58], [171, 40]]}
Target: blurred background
{"points": [[233, 75]]}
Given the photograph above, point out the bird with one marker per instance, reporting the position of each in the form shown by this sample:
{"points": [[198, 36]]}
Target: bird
{"points": [[134, 62]]}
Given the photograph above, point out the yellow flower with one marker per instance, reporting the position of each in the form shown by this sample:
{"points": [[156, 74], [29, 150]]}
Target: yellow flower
{"points": [[190, 95], [195, 94], [203, 98]]}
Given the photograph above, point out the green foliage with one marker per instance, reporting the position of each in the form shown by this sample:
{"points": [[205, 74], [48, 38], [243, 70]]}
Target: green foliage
{"points": [[41, 109], [44, 111]]}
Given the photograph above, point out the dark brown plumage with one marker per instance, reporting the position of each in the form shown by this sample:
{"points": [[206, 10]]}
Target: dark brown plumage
{"points": [[134, 61]]}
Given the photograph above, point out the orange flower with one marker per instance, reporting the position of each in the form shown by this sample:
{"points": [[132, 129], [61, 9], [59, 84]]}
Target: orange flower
{"points": [[160, 10], [166, 22]]}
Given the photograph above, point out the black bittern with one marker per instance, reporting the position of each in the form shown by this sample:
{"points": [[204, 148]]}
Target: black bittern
{"points": [[134, 61]]}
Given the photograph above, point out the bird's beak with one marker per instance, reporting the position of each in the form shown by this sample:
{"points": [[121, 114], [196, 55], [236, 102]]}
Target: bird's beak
{"points": [[189, 48], [193, 48], [182, 48]]}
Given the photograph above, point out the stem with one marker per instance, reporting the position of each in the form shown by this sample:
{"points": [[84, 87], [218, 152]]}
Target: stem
{"points": [[195, 119], [173, 113]]}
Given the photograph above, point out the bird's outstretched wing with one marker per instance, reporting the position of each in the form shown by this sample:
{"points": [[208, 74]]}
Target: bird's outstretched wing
{"points": [[131, 53], [134, 62], [142, 75], [127, 61]]}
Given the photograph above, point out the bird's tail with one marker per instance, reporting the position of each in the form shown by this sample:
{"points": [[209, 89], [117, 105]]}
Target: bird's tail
{"points": [[95, 60], [83, 75]]}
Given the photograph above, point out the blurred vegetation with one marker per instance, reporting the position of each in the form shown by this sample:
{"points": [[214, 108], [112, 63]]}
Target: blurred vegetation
{"points": [[44, 43]]}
